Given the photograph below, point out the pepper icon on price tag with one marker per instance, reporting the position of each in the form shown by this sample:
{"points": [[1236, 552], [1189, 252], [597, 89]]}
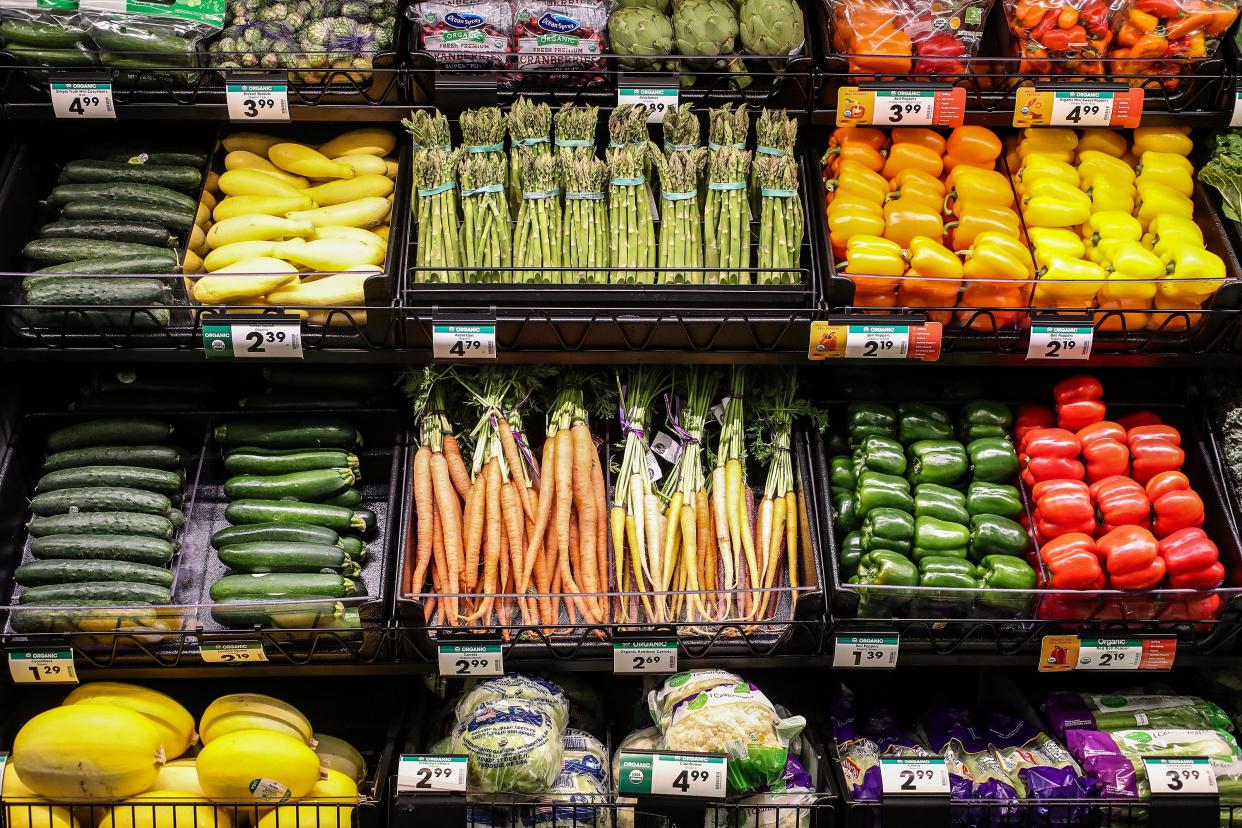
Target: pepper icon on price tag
{"points": [[1043, 105]]}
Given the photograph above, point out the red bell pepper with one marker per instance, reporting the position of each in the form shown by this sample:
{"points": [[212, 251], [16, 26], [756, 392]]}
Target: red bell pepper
{"points": [[1152, 456], [1079, 413], [1165, 482], [940, 54], [1051, 454], [1103, 430], [1031, 418], [1121, 502], [1192, 559], [1105, 458], [1177, 511], [1131, 557], [1139, 418], [1162, 433], [1077, 387], [1063, 501], [1204, 608], [1072, 562]]}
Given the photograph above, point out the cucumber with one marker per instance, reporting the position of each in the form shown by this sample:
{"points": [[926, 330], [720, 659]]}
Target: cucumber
{"points": [[122, 150], [303, 614], [78, 318], [109, 499], [177, 518], [133, 548], [151, 194], [60, 251], [165, 157], [299, 400], [354, 547], [350, 497], [280, 432], [102, 523], [40, 35], [305, 485], [281, 585], [148, 457], [71, 58], [121, 231], [118, 430], [276, 556], [248, 460], [369, 521], [107, 172], [118, 591], [132, 477], [76, 616], [276, 532], [68, 290], [41, 573], [175, 220], [337, 518], [162, 49], [112, 265]]}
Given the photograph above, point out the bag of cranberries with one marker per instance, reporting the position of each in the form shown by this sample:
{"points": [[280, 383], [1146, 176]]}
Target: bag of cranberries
{"points": [[561, 34], [466, 35]]}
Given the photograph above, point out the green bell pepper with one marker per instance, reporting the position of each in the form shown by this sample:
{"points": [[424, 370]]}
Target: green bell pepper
{"points": [[992, 459], [845, 510], [851, 552], [881, 454], [984, 418], [876, 490], [996, 535], [866, 419], [941, 502], [887, 529], [937, 461], [921, 421], [1005, 572], [887, 569], [918, 553], [950, 573], [993, 499], [841, 472], [933, 533]]}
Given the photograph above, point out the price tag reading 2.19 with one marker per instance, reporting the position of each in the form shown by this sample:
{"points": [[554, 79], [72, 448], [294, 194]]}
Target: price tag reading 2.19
{"points": [[878, 341], [471, 660], [1060, 341]]}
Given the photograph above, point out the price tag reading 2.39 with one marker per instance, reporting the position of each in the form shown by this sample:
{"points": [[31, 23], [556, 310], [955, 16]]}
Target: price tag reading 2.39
{"points": [[268, 336], [432, 774], [257, 101], [471, 660]]}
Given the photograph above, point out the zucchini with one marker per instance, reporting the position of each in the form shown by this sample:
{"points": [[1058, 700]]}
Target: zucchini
{"points": [[118, 591], [350, 497], [281, 585], [118, 430], [248, 460], [40, 35], [109, 499], [107, 172], [148, 457], [71, 58], [60, 251], [130, 403], [118, 265], [77, 616], [369, 521], [276, 532], [354, 547], [122, 231], [175, 220], [132, 477], [124, 149], [69, 290], [302, 614], [299, 400], [305, 485], [102, 523], [274, 432], [152, 194], [133, 548], [41, 573], [277, 556], [337, 518], [166, 157]]}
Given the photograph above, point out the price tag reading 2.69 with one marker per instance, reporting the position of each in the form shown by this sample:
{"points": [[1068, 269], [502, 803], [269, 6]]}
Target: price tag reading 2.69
{"points": [[432, 774], [471, 660], [644, 657]]}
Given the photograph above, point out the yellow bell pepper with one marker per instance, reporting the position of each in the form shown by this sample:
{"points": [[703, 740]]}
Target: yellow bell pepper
{"points": [[1112, 196], [1162, 139], [979, 186], [1179, 180], [1016, 249], [856, 178], [935, 273], [1041, 167], [1133, 271], [1193, 274], [1093, 164], [1170, 231], [1069, 282], [1157, 200], [994, 262], [873, 263], [1112, 224], [1128, 322], [1055, 204], [1107, 141], [1057, 140], [1052, 242], [1164, 161]]}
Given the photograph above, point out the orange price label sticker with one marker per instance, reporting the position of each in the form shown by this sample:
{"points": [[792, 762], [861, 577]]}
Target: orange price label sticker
{"points": [[1078, 107], [901, 106], [882, 340]]}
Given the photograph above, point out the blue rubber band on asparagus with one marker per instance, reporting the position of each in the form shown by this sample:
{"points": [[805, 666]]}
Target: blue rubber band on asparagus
{"points": [[534, 195], [777, 151], [574, 142], [584, 196], [726, 185], [667, 196], [767, 193], [485, 148], [487, 188], [442, 188], [630, 182]]}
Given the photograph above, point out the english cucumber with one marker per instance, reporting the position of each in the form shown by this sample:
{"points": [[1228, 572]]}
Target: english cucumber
{"points": [[122, 231], [308, 611], [304, 485], [60, 250], [368, 518], [152, 194], [71, 58], [42, 573], [350, 497], [111, 265], [269, 556], [163, 49], [116, 430], [75, 616], [175, 220], [354, 547], [134, 477], [102, 523], [281, 585], [285, 532], [274, 432], [337, 518], [133, 548], [40, 35], [250, 460], [117, 591], [107, 172], [170, 157], [105, 499], [149, 457]]}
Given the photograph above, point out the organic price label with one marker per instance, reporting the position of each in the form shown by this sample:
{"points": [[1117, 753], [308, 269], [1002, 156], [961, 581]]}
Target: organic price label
{"points": [[1060, 653], [43, 667], [672, 774], [277, 337], [1236, 120], [925, 775], [877, 341], [231, 652], [1060, 341], [856, 340], [82, 100], [1183, 775], [653, 467], [901, 106], [1109, 653], [1120, 107], [644, 657], [463, 341], [471, 660], [432, 774], [257, 101], [866, 650], [657, 100]]}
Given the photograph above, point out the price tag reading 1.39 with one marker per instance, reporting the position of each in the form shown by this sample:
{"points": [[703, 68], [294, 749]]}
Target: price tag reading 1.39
{"points": [[925, 776], [471, 660], [866, 650], [672, 774], [432, 774], [82, 100], [1183, 775], [463, 341], [257, 101]]}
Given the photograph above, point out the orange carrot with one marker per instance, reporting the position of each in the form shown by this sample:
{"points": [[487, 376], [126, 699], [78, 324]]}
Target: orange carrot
{"points": [[564, 457], [547, 492], [601, 534], [440, 570], [456, 466], [491, 538], [474, 536], [502, 603], [509, 446], [511, 514], [424, 506], [450, 517]]}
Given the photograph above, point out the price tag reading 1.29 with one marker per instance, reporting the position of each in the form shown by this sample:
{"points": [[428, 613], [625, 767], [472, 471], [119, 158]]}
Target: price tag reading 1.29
{"points": [[1060, 341], [644, 657], [1183, 775], [471, 660], [257, 101], [925, 776], [877, 341], [82, 100], [463, 341], [432, 774], [672, 774], [866, 650], [43, 667]]}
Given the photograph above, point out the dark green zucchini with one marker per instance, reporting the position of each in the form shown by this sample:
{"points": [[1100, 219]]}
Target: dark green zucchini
{"points": [[106, 172], [369, 521], [120, 592], [354, 547], [133, 477], [283, 432], [304, 485], [337, 518], [121, 231], [285, 532], [175, 220], [250, 460], [133, 548], [109, 499], [111, 265], [281, 585], [177, 517], [102, 523], [151, 194], [166, 157], [350, 498], [116, 430], [269, 556], [150, 457], [41, 573], [308, 611]]}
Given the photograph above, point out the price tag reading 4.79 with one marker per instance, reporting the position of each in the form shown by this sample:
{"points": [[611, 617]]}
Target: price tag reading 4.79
{"points": [[471, 660], [925, 776], [1183, 775], [432, 774], [43, 667], [463, 341]]}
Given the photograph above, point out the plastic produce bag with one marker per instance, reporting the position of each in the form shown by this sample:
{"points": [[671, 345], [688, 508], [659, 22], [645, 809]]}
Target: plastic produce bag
{"points": [[48, 33], [1167, 37], [151, 34], [585, 795], [1074, 33], [568, 34], [517, 686], [465, 35], [920, 36], [661, 701], [1114, 761], [1115, 711], [584, 754], [514, 746]]}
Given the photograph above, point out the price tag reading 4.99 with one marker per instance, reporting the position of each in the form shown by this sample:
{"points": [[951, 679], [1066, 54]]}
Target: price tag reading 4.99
{"points": [[43, 667], [1183, 775], [925, 775], [257, 101], [82, 100], [672, 774], [432, 774], [471, 660], [463, 341]]}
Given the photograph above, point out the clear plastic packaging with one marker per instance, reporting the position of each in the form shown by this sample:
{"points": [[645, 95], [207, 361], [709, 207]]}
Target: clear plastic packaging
{"points": [[921, 36], [1059, 37], [151, 35], [465, 35], [569, 34], [45, 33]]}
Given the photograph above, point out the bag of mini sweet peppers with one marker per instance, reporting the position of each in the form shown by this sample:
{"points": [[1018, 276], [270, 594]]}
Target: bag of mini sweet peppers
{"points": [[1165, 37], [45, 34], [151, 35], [919, 36], [1062, 37]]}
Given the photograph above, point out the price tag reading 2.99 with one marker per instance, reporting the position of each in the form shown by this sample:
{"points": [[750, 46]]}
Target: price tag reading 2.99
{"points": [[471, 660], [432, 774], [925, 776]]}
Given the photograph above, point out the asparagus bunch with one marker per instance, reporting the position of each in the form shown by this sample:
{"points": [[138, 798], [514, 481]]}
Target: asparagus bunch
{"points": [[681, 129], [726, 217], [575, 130], [487, 237], [681, 236], [439, 242], [483, 132], [775, 134], [627, 126], [584, 243], [537, 239], [631, 231], [428, 130], [728, 127], [781, 222], [530, 126]]}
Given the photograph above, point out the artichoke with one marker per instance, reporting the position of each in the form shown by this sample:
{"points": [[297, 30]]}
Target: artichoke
{"points": [[640, 30], [661, 6], [706, 27], [771, 27]]}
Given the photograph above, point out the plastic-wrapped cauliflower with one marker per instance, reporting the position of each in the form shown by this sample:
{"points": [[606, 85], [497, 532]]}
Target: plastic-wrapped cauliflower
{"points": [[661, 701], [584, 793], [517, 686], [514, 746], [584, 754]]}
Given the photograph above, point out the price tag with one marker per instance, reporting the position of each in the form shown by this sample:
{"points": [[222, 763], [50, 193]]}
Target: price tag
{"points": [[1104, 107], [463, 341], [1236, 119], [432, 774], [1050, 341], [856, 340], [901, 106], [698, 775], [657, 100], [1060, 653], [877, 341], [644, 657], [471, 660], [82, 100], [718, 410], [1183, 775], [231, 652], [905, 776], [1109, 653], [653, 468], [666, 446], [257, 101], [866, 650], [43, 667], [263, 337], [1082, 109]]}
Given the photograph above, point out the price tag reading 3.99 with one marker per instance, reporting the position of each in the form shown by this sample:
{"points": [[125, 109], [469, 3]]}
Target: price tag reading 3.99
{"points": [[926, 776], [1184, 775], [257, 101], [432, 774], [905, 107], [471, 660]]}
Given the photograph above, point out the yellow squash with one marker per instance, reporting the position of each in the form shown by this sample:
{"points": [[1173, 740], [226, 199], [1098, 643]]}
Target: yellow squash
{"points": [[300, 159], [257, 765], [261, 276], [235, 206], [361, 141], [165, 712]]}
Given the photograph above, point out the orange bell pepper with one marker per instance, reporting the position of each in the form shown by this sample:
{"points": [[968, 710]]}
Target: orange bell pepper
{"points": [[883, 52], [980, 218], [919, 180], [922, 136], [981, 303], [858, 151], [1186, 26], [905, 218], [912, 156], [875, 299], [872, 137], [974, 145]]}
